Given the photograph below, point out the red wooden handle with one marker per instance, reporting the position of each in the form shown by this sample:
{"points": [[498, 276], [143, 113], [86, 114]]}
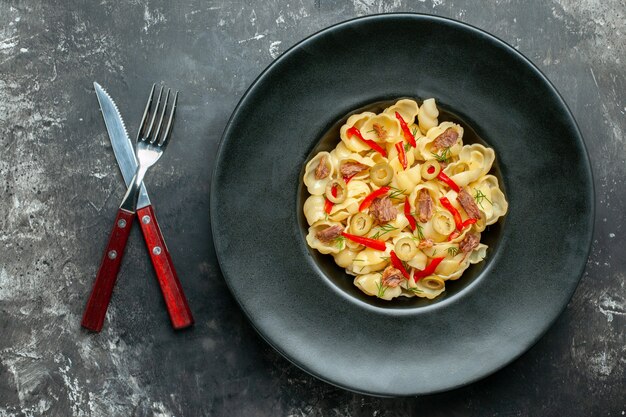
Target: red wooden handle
{"points": [[98, 302], [175, 300]]}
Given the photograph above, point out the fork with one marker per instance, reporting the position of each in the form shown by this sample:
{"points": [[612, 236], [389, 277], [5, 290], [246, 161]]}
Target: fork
{"points": [[152, 141]]}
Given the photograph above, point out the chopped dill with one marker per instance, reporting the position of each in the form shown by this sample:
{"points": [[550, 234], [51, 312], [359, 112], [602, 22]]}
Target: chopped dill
{"points": [[407, 147], [444, 157], [381, 290], [479, 197], [340, 242], [414, 290], [414, 131], [358, 260], [383, 230], [384, 258], [396, 194], [453, 251], [420, 231]]}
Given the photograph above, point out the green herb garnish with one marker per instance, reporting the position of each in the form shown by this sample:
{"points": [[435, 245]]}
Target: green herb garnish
{"points": [[444, 157], [383, 230], [340, 242], [453, 251], [479, 197], [420, 231], [381, 290], [396, 193]]}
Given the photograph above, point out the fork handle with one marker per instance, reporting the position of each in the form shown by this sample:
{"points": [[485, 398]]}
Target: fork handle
{"points": [[177, 306], [98, 302]]}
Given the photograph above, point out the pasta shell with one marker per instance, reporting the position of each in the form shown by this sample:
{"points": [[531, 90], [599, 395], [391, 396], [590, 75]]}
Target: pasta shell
{"points": [[427, 115], [425, 145], [324, 247], [352, 142], [313, 185], [356, 158], [427, 292], [314, 209], [407, 108], [339, 153], [407, 179], [370, 260], [491, 201], [474, 161], [345, 257], [384, 124], [370, 284]]}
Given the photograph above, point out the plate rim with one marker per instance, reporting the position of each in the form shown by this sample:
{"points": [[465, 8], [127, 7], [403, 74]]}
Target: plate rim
{"points": [[586, 165]]}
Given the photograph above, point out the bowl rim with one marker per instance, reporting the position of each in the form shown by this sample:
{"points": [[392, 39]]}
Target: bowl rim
{"points": [[585, 165]]}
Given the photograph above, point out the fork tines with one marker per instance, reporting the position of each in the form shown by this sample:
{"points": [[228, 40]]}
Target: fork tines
{"points": [[155, 134]]}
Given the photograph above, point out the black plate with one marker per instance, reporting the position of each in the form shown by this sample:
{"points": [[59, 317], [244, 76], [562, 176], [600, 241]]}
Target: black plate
{"points": [[306, 307]]}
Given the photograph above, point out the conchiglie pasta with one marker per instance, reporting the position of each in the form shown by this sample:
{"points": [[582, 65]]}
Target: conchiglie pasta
{"points": [[355, 158], [352, 142], [428, 114], [407, 179], [474, 162], [313, 240], [389, 223], [408, 109], [340, 153], [382, 128], [427, 292], [490, 198], [369, 260], [314, 185], [371, 285], [314, 209], [345, 257], [426, 145]]}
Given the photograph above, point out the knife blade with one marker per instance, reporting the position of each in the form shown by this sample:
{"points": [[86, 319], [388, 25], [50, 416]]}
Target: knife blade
{"points": [[175, 300], [120, 141]]}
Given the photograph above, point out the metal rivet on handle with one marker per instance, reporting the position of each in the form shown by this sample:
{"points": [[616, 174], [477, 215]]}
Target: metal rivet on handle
{"points": [[145, 219], [156, 250], [121, 223], [112, 254]]}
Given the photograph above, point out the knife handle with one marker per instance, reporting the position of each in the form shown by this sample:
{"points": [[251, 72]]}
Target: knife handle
{"points": [[175, 300], [98, 302]]}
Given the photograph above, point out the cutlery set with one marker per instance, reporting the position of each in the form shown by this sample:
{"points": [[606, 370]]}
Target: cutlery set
{"points": [[152, 139]]}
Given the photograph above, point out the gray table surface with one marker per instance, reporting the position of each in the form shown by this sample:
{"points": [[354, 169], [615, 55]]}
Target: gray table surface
{"points": [[59, 187]]}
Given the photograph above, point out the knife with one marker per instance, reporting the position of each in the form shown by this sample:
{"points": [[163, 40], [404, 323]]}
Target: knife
{"points": [[175, 300]]}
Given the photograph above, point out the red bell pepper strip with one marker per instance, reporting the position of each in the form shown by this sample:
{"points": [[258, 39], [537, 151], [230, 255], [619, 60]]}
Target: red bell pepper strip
{"points": [[353, 131], [429, 270], [371, 196], [328, 205], [397, 263], [409, 216], [444, 178], [467, 223], [401, 154], [405, 130], [366, 241], [464, 224], [457, 216]]}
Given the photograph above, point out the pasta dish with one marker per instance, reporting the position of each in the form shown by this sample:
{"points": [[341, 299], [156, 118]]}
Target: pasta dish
{"points": [[401, 202]]}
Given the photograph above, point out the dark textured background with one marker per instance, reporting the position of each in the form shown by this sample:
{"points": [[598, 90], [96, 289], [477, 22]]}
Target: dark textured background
{"points": [[60, 186]]}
